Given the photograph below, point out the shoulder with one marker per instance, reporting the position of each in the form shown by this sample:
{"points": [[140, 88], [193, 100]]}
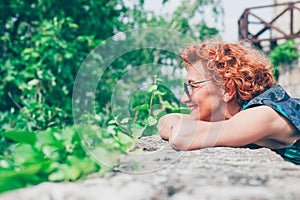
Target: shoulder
{"points": [[262, 115], [269, 97], [280, 101], [269, 127]]}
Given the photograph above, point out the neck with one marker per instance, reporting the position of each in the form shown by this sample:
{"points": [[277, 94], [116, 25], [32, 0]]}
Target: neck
{"points": [[231, 109]]}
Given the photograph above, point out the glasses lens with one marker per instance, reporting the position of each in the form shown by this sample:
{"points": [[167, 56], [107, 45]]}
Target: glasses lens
{"points": [[186, 89]]}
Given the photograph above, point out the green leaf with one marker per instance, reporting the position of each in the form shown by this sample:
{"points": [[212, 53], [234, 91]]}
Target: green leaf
{"points": [[142, 107], [27, 50], [73, 173], [156, 92], [59, 175], [112, 122], [73, 25], [25, 153], [125, 139], [51, 152], [151, 121], [152, 88], [157, 112], [86, 164], [33, 82], [125, 120], [67, 135], [6, 163], [20, 136], [137, 130], [47, 138], [27, 175]]}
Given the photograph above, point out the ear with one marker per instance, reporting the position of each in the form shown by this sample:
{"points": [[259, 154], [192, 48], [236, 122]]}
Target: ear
{"points": [[229, 94]]}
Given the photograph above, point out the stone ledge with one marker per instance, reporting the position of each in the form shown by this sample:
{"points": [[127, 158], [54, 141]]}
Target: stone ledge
{"points": [[159, 172]]}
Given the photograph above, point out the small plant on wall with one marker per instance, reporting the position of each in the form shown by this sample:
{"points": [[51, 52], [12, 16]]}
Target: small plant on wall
{"points": [[284, 53]]}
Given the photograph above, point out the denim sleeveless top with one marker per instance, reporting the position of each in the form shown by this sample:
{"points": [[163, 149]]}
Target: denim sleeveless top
{"points": [[279, 100]]}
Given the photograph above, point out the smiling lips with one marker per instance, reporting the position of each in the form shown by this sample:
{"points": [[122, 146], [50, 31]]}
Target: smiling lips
{"points": [[192, 107]]}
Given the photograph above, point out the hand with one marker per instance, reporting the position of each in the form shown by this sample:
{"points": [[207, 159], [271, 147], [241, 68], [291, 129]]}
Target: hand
{"points": [[180, 130], [166, 123]]}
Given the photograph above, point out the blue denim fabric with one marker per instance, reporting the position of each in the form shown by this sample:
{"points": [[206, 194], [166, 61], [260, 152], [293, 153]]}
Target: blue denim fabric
{"points": [[278, 99]]}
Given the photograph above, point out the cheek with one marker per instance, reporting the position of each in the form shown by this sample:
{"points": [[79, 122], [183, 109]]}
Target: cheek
{"points": [[208, 102], [203, 97], [204, 104], [216, 101]]}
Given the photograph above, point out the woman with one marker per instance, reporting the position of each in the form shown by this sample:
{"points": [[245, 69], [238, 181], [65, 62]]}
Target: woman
{"points": [[233, 101]]}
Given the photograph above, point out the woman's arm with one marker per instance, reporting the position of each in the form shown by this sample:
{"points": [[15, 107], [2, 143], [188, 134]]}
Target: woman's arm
{"points": [[254, 125], [166, 123]]}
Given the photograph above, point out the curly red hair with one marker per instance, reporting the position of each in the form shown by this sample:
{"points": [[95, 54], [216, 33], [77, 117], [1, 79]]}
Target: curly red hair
{"points": [[239, 65]]}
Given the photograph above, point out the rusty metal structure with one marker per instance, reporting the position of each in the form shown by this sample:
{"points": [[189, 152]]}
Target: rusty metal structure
{"points": [[254, 27]]}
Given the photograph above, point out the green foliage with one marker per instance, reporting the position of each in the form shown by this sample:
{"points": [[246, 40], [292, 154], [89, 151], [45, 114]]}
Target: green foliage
{"points": [[45, 41], [55, 154], [146, 108], [198, 9], [52, 155], [283, 54], [44, 44]]}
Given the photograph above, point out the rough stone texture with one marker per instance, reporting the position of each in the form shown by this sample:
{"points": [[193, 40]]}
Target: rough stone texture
{"points": [[159, 172]]}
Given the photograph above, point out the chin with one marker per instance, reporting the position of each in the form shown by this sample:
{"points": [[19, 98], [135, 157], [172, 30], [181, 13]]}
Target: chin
{"points": [[196, 115]]}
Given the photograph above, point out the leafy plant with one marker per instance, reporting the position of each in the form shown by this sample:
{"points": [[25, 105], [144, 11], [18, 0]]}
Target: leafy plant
{"points": [[284, 53], [52, 155], [147, 111], [44, 42]]}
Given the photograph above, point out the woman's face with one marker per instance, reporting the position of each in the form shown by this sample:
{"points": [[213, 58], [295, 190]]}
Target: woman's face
{"points": [[205, 100]]}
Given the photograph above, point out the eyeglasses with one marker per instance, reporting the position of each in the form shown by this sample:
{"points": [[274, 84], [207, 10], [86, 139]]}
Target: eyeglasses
{"points": [[188, 87]]}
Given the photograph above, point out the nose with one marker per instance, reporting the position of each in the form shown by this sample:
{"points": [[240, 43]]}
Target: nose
{"points": [[185, 99]]}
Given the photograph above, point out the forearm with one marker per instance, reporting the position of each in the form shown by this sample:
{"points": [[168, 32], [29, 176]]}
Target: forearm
{"points": [[185, 133], [190, 135], [266, 124]]}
